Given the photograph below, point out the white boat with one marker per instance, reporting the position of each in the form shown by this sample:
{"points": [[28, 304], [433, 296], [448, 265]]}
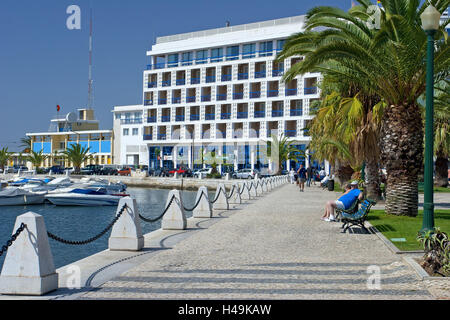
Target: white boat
{"points": [[82, 197], [111, 187], [13, 196]]}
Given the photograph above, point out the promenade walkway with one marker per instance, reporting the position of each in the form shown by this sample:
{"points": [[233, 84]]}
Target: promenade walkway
{"points": [[273, 248]]}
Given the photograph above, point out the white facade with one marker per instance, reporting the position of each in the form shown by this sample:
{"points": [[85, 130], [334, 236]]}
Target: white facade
{"points": [[216, 90]]}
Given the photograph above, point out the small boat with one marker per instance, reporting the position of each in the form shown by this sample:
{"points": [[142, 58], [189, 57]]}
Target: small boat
{"points": [[83, 197], [14, 196]]}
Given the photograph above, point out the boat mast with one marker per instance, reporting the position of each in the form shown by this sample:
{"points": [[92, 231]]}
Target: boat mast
{"points": [[90, 86]]}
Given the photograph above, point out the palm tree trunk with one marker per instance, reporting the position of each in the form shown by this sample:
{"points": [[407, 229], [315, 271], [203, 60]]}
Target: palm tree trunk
{"points": [[402, 154], [373, 179], [441, 166]]}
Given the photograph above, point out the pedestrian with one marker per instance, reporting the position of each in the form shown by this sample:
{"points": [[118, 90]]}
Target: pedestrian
{"points": [[292, 175], [322, 173], [352, 194], [309, 173], [301, 177]]}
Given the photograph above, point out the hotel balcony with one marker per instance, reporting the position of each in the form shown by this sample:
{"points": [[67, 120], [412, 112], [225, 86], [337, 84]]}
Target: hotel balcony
{"points": [[210, 116], [148, 102], [291, 92], [190, 99], [162, 136], [278, 73], [255, 94], [242, 115], [311, 90], [221, 97], [195, 117], [272, 93], [290, 133], [131, 121], [151, 119], [148, 137], [277, 113], [225, 116], [166, 83], [152, 85], [260, 74], [195, 80], [260, 113], [179, 118], [226, 77]]}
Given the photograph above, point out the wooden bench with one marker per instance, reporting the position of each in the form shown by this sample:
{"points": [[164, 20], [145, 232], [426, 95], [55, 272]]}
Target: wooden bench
{"points": [[352, 210], [358, 218]]}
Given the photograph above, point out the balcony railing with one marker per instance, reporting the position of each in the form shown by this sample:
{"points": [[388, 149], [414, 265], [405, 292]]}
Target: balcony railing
{"points": [[162, 136], [225, 115], [153, 84], [162, 101], [181, 82], [210, 79], [148, 102], [254, 133], [296, 112], [278, 73], [206, 97], [195, 80], [176, 100], [226, 77], [238, 95], [151, 119], [291, 92], [187, 62], [249, 55], [210, 116], [165, 118], [206, 135], [221, 134], [195, 117], [271, 132], [265, 53], [272, 93], [260, 74], [260, 113], [131, 121], [166, 83], [290, 133], [242, 76], [179, 117], [312, 90], [231, 57], [221, 96], [190, 99], [277, 113], [148, 137], [242, 115], [255, 94]]}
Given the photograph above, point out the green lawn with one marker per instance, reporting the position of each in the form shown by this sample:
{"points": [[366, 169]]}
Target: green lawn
{"points": [[406, 227]]}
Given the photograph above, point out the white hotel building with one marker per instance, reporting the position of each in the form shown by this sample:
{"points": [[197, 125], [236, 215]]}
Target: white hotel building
{"points": [[216, 90]]}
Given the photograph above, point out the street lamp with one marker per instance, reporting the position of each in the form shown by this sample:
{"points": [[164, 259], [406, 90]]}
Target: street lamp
{"points": [[430, 23]]}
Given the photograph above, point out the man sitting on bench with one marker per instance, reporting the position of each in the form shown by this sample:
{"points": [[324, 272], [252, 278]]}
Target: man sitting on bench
{"points": [[352, 194]]}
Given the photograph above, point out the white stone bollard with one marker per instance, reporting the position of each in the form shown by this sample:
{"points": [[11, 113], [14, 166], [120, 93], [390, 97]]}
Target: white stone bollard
{"points": [[28, 268], [175, 175], [259, 188], [227, 176], [174, 218], [246, 193], [126, 234], [221, 196], [50, 173], [204, 208], [264, 185], [236, 196], [253, 191]]}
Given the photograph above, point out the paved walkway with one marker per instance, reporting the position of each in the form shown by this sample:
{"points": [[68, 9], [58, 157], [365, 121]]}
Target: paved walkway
{"points": [[273, 248]]}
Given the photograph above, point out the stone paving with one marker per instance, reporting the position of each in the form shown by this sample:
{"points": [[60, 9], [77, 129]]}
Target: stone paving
{"points": [[275, 247]]}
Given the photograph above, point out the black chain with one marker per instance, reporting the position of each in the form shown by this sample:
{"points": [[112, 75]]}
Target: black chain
{"points": [[197, 203], [217, 197], [56, 238], [13, 238], [162, 215], [231, 193], [241, 192]]}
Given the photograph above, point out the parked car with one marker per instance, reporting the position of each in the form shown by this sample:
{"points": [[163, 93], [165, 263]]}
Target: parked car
{"points": [[202, 172], [56, 170], [91, 169], [161, 172], [245, 174], [126, 171], [109, 171], [70, 169], [183, 171]]}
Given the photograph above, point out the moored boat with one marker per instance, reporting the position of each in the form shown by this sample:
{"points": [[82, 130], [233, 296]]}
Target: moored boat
{"points": [[13, 196], [83, 197]]}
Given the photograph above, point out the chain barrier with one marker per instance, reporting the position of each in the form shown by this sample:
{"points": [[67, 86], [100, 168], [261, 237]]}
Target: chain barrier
{"points": [[162, 215], [231, 193], [196, 205], [13, 238], [56, 238], [217, 197], [241, 192]]}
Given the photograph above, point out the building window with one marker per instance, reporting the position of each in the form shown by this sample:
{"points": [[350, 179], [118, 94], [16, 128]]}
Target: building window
{"points": [[126, 132], [173, 60], [216, 54], [248, 50], [187, 59], [280, 44], [202, 56], [233, 53], [265, 48], [118, 115], [135, 131]]}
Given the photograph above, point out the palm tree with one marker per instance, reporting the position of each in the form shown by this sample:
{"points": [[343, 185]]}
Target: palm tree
{"points": [[280, 150], [389, 62], [26, 144], [77, 154], [37, 158], [5, 156]]}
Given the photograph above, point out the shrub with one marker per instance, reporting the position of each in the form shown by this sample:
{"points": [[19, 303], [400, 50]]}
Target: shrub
{"points": [[437, 252]]}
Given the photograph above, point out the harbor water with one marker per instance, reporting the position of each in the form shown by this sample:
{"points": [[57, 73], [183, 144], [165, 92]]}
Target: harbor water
{"points": [[82, 223]]}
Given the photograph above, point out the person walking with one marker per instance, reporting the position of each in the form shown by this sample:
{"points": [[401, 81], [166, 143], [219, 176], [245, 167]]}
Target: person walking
{"points": [[309, 173], [301, 177]]}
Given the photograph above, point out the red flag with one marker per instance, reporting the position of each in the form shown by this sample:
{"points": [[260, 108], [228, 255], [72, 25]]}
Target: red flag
{"points": [[58, 108]]}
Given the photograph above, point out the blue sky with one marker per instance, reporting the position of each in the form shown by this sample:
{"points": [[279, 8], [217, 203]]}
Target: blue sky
{"points": [[43, 64]]}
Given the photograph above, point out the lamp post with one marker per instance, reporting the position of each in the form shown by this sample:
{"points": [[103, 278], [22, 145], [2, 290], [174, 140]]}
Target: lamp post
{"points": [[430, 23]]}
